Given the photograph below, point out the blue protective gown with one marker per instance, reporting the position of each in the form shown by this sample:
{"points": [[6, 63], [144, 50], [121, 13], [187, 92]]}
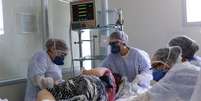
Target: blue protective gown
{"points": [[42, 65]]}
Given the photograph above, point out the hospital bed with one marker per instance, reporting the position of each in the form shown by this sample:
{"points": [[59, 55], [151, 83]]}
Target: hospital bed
{"points": [[126, 91]]}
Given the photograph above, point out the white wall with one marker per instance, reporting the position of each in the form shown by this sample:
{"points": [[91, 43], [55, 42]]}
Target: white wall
{"points": [[13, 92], [59, 21], [151, 24], [16, 48]]}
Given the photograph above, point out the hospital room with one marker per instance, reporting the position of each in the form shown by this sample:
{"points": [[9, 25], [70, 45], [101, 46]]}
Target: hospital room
{"points": [[100, 50]]}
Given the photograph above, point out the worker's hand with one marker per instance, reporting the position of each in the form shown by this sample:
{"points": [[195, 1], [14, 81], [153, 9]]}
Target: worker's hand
{"points": [[143, 80], [46, 82], [58, 82], [82, 70]]}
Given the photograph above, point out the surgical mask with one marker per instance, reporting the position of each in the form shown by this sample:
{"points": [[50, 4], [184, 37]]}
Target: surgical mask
{"points": [[158, 74], [115, 49], [59, 60]]}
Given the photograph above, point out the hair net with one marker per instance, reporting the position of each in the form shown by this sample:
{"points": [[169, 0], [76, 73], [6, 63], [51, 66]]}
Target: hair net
{"points": [[56, 43], [188, 46], [121, 35], [166, 55]]}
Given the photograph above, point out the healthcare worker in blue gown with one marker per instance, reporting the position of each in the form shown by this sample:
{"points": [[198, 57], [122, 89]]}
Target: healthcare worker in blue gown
{"points": [[127, 61], [43, 69]]}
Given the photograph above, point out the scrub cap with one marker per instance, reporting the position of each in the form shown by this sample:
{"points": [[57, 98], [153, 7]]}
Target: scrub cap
{"points": [[58, 44], [167, 56], [121, 35], [189, 46]]}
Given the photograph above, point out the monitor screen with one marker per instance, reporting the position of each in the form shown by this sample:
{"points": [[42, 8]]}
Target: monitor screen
{"points": [[83, 11]]}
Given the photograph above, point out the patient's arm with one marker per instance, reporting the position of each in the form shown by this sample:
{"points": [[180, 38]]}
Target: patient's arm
{"points": [[45, 95]]}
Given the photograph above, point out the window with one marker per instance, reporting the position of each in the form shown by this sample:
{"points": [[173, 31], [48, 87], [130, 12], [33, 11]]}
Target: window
{"points": [[86, 49], [193, 8], [1, 19]]}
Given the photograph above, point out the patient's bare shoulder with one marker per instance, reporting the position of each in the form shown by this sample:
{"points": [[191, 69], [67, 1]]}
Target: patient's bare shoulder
{"points": [[45, 95]]}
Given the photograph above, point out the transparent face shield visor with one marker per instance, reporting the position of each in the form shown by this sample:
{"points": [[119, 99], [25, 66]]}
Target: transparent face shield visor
{"points": [[58, 51], [166, 66]]}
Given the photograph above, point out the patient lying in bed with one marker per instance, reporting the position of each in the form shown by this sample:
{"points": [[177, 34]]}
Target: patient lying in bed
{"points": [[82, 88]]}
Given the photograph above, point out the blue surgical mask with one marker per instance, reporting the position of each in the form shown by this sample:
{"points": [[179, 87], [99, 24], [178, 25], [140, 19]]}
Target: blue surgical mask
{"points": [[59, 60], [158, 74], [115, 49]]}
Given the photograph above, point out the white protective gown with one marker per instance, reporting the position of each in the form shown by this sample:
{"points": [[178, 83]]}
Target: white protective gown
{"points": [[40, 66], [196, 61], [137, 62], [177, 85], [197, 91]]}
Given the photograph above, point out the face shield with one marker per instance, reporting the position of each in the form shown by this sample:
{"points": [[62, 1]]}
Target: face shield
{"points": [[163, 60], [166, 57], [117, 39], [59, 55], [158, 63]]}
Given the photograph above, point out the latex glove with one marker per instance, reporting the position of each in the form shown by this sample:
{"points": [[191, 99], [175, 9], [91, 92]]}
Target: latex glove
{"points": [[43, 82], [143, 80], [59, 82], [142, 83]]}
